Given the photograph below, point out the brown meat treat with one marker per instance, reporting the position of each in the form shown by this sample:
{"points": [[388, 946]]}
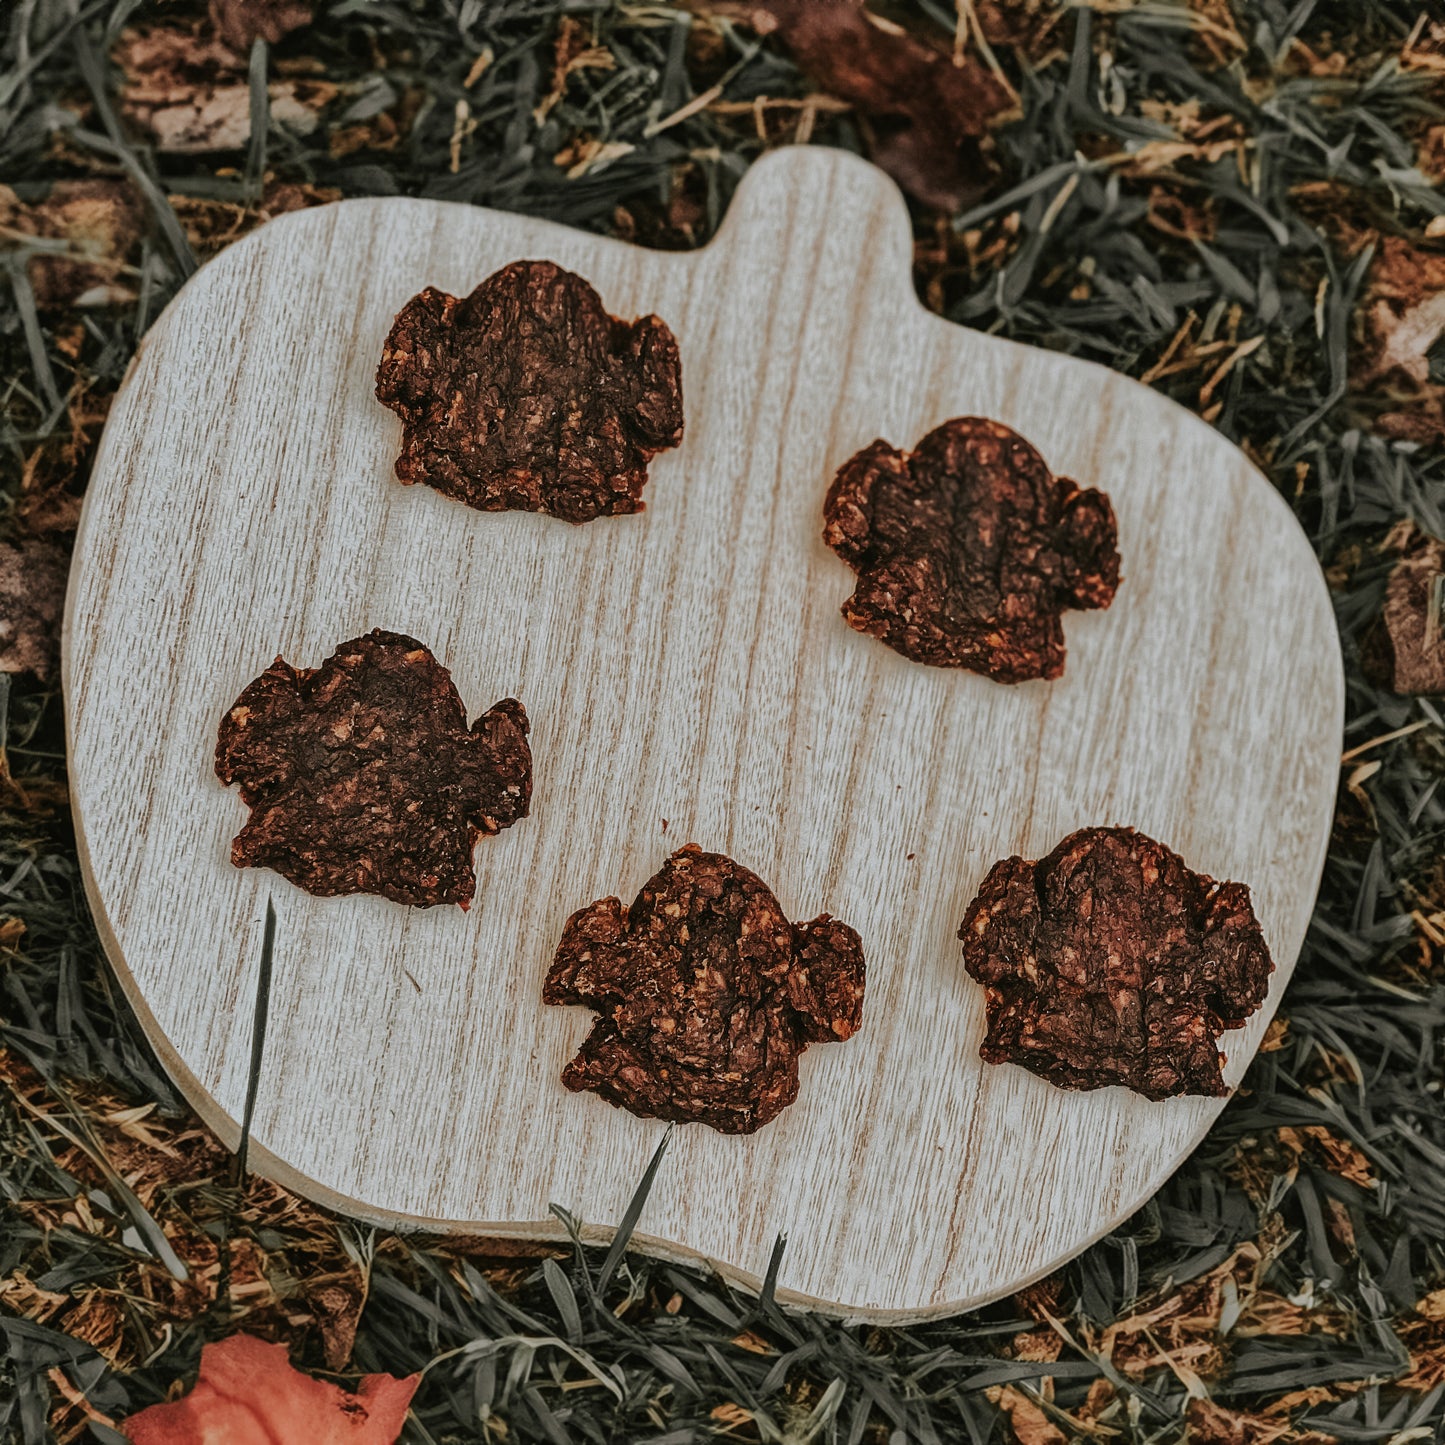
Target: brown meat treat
{"points": [[707, 994], [1409, 643], [526, 395], [1110, 962], [363, 777], [968, 549]]}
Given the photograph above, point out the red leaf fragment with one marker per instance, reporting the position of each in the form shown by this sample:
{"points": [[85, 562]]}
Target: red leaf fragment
{"points": [[247, 1393]]}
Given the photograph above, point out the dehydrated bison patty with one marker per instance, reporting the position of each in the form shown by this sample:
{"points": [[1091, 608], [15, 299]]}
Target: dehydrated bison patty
{"points": [[1110, 962], [363, 777], [707, 994], [968, 549], [526, 395]]}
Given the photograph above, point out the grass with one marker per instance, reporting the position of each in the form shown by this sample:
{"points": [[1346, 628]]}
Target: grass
{"points": [[1202, 195]]}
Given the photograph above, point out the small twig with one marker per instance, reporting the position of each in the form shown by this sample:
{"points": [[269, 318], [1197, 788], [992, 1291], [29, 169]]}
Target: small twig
{"points": [[1245, 348], [705, 99], [1403, 732], [968, 21]]}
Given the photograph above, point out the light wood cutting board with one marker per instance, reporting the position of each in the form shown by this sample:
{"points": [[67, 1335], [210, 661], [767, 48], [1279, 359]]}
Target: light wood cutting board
{"points": [[688, 678]]}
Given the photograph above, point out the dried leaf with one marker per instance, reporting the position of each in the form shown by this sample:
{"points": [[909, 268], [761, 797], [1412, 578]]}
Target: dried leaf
{"points": [[926, 109], [1211, 1424], [190, 91], [210, 226], [1340, 1156], [753, 1343], [1031, 1426], [1410, 644], [1430, 154], [337, 1306], [32, 597], [100, 222], [240, 22], [1425, 49], [248, 1394], [1405, 311], [728, 1415]]}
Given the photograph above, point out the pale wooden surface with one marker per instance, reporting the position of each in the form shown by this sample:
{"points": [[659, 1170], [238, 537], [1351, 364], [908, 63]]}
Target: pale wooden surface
{"points": [[689, 665]]}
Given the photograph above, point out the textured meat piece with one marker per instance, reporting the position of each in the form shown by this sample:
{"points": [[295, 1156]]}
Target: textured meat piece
{"points": [[706, 993], [526, 395], [363, 777], [968, 549], [1110, 962]]}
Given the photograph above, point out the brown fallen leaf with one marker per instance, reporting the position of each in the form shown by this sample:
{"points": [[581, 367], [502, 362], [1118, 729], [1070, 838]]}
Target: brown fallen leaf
{"points": [[753, 1343], [1031, 1426], [729, 1415], [189, 90], [1211, 1424], [100, 223], [925, 109], [1341, 1156], [240, 22], [1425, 48], [1423, 1334], [53, 474], [1430, 156], [1276, 1036], [337, 1306], [1405, 310], [32, 596], [211, 225], [1403, 322], [1406, 651], [1027, 26]]}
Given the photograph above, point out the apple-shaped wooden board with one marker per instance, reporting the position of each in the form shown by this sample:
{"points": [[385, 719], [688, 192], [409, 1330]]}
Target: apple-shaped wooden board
{"points": [[688, 678]]}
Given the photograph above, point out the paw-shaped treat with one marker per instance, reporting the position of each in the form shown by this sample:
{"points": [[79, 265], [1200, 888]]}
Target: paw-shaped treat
{"points": [[1110, 962], [968, 549], [363, 777], [706, 994], [526, 395]]}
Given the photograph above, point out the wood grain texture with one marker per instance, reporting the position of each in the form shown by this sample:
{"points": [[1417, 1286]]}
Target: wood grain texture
{"points": [[687, 665]]}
